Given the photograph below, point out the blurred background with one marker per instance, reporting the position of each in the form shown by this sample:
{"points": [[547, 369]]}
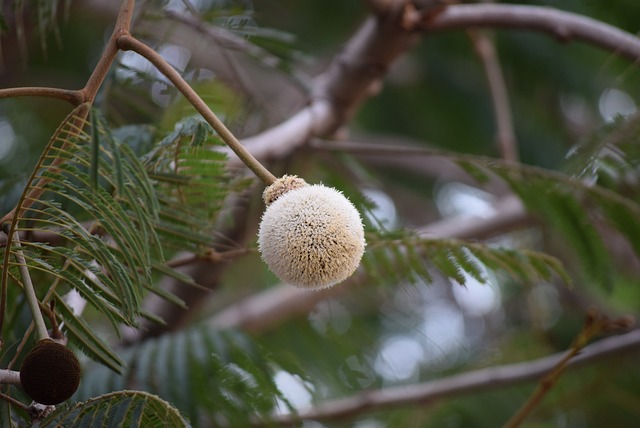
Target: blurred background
{"points": [[255, 67]]}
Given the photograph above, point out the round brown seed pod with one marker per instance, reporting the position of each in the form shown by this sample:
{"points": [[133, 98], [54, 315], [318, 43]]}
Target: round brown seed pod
{"points": [[281, 186], [50, 373], [311, 237]]}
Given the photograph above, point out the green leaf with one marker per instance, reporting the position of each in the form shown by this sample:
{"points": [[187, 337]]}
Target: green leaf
{"points": [[93, 196], [387, 255], [207, 374], [117, 409]]}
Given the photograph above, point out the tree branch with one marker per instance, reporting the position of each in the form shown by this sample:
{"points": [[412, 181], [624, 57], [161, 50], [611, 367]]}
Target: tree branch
{"points": [[465, 383], [356, 72], [352, 77], [9, 377], [564, 26]]}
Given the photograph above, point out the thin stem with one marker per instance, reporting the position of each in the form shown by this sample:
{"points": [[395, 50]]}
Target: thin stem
{"points": [[29, 290], [594, 325], [71, 96], [23, 343], [127, 42], [14, 402], [506, 138]]}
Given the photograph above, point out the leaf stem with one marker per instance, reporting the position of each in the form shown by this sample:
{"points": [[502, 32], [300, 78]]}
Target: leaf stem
{"points": [[29, 290], [129, 43]]}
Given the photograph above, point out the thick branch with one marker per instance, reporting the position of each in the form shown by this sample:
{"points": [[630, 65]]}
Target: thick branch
{"points": [[564, 26], [356, 73], [9, 377], [465, 383], [353, 76]]}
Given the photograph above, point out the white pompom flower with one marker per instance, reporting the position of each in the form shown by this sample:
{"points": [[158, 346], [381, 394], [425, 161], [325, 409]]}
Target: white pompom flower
{"points": [[311, 236]]}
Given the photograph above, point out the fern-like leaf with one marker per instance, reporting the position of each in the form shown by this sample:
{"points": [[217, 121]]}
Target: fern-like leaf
{"points": [[97, 204], [117, 409], [192, 185], [395, 258], [209, 375]]}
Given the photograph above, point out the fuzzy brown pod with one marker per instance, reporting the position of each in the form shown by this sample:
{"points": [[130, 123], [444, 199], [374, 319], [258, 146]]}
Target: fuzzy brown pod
{"points": [[311, 236], [50, 373]]}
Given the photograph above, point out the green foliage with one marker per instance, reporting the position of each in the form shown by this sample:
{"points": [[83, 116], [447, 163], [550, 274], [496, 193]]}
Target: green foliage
{"points": [[173, 196], [117, 409], [85, 176], [192, 184], [582, 203], [216, 377], [398, 257]]}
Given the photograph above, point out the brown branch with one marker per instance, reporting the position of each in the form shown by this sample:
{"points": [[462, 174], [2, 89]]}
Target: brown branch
{"points": [[88, 93], [129, 43], [595, 324], [457, 385], [352, 77], [564, 26], [73, 97], [506, 136], [357, 70], [410, 155], [122, 26], [268, 309]]}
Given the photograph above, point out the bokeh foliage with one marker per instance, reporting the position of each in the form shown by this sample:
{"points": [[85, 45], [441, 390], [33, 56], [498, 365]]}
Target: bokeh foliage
{"points": [[160, 188]]}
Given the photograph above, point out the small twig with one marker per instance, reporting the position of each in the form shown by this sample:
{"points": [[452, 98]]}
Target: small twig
{"points": [[99, 74], [127, 42], [506, 137], [212, 255], [594, 325], [23, 343], [14, 402], [29, 290]]}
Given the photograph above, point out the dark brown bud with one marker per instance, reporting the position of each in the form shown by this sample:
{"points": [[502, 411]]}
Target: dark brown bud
{"points": [[50, 373]]}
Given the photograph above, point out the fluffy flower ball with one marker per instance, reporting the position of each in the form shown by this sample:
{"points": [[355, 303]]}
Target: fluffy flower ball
{"points": [[311, 237]]}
